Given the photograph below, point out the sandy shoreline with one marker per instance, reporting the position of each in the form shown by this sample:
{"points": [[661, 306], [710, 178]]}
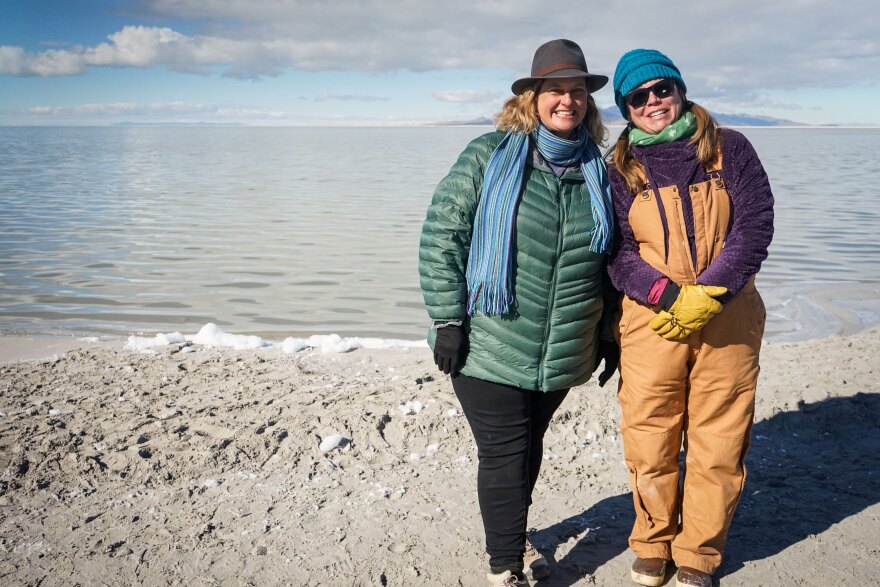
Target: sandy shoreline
{"points": [[204, 468]]}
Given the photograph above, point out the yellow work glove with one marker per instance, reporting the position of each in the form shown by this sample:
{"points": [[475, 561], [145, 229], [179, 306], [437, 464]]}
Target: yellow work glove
{"points": [[665, 325], [696, 304], [691, 311]]}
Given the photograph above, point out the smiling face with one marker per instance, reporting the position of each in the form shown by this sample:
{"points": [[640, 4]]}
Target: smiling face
{"points": [[657, 113], [562, 104]]}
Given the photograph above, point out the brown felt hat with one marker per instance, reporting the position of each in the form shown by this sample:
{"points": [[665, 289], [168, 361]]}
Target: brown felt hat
{"points": [[559, 58]]}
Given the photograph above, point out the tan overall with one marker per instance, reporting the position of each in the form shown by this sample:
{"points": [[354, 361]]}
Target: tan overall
{"points": [[699, 390]]}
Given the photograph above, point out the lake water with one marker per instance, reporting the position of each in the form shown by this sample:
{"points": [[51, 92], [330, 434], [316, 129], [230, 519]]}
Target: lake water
{"points": [[294, 231]]}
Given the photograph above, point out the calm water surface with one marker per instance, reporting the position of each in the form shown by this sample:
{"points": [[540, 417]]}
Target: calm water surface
{"points": [[295, 231]]}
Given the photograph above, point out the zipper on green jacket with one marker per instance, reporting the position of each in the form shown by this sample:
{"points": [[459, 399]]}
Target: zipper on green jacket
{"points": [[552, 300]]}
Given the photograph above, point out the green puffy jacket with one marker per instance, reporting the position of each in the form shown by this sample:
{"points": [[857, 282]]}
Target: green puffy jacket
{"points": [[563, 295]]}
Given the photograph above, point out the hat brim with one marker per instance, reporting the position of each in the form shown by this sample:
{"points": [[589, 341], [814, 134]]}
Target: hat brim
{"points": [[594, 81]]}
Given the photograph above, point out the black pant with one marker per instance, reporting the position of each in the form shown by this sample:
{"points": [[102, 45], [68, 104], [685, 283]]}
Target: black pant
{"points": [[508, 424]]}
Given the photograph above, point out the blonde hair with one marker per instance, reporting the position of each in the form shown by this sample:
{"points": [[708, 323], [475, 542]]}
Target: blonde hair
{"points": [[707, 138], [520, 114]]}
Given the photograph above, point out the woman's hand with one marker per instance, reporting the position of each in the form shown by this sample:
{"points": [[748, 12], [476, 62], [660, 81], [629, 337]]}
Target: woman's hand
{"points": [[450, 348], [666, 326], [609, 352], [691, 311]]}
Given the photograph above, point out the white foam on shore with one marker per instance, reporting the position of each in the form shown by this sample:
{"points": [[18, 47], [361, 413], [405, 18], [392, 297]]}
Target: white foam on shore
{"points": [[138, 343], [333, 343], [211, 335]]}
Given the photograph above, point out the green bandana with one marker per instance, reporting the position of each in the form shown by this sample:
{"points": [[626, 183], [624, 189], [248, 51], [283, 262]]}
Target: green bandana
{"points": [[682, 128]]}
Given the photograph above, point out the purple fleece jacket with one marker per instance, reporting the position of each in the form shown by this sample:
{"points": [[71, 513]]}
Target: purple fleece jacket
{"points": [[751, 226]]}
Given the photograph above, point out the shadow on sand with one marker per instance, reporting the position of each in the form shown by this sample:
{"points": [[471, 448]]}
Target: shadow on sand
{"points": [[808, 468]]}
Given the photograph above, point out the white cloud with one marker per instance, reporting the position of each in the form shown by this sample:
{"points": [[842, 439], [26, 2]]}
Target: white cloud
{"points": [[12, 60], [15, 61], [350, 98], [133, 46], [158, 111], [468, 96], [727, 49], [413, 28], [139, 46]]}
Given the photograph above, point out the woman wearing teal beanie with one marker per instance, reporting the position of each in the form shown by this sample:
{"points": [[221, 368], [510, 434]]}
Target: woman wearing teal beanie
{"points": [[694, 219]]}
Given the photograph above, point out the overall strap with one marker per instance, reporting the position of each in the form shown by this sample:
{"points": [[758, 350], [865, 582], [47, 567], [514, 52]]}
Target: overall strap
{"points": [[715, 168], [710, 204]]}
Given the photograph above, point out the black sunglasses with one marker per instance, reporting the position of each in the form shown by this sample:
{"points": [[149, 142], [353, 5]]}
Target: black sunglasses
{"points": [[662, 89]]}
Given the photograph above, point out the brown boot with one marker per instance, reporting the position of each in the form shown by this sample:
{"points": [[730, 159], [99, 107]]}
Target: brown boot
{"points": [[688, 577], [649, 571]]}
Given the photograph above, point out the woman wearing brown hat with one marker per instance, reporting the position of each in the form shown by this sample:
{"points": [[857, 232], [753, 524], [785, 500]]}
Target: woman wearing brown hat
{"points": [[695, 219], [512, 264]]}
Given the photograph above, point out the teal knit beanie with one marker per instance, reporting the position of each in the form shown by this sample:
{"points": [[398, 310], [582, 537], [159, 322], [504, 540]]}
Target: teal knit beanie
{"points": [[639, 66]]}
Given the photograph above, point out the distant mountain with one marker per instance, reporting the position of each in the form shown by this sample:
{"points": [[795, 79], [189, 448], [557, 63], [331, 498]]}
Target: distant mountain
{"points": [[748, 120], [611, 117], [475, 122], [172, 123]]}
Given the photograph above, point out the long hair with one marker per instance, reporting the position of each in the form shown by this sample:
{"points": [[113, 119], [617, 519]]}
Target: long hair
{"points": [[520, 114], [707, 139]]}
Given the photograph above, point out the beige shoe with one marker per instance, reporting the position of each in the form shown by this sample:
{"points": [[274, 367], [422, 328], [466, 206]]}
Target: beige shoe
{"points": [[649, 571], [535, 565], [507, 579]]}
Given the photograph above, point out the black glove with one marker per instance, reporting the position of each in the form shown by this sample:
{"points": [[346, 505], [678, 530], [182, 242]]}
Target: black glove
{"points": [[609, 352], [450, 349]]}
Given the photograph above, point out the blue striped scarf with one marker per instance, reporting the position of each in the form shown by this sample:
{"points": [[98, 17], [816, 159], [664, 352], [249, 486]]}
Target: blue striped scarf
{"points": [[490, 290]]}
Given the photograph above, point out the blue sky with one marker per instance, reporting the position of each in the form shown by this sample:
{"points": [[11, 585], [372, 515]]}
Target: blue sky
{"points": [[363, 62]]}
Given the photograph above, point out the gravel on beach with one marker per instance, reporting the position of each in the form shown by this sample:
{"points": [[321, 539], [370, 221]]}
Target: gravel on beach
{"points": [[202, 466]]}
